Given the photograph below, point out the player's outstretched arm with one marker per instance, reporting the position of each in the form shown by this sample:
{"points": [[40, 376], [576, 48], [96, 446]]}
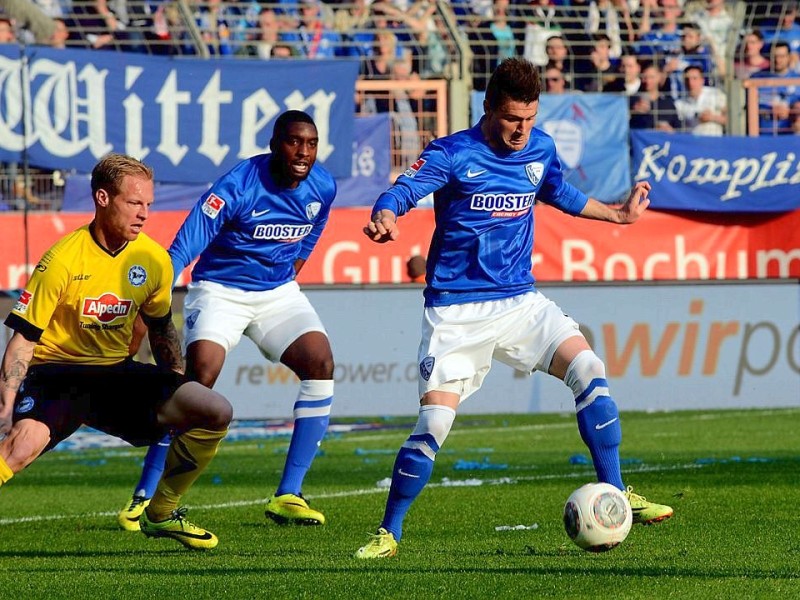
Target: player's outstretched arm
{"points": [[629, 212], [382, 227]]}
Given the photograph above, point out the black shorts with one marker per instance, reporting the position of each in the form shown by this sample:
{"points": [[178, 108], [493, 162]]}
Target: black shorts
{"points": [[122, 399]]}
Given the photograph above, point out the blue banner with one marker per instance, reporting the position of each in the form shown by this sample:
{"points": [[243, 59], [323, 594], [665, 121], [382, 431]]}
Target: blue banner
{"points": [[371, 167], [369, 175], [719, 174], [591, 135], [190, 119]]}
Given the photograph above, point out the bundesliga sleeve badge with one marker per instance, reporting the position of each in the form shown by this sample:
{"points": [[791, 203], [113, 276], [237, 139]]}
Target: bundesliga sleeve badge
{"points": [[213, 205]]}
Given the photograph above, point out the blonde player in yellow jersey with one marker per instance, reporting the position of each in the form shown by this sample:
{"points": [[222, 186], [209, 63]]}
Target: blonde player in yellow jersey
{"points": [[67, 363]]}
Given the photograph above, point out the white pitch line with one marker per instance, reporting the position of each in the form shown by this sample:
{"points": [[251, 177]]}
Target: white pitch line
{"points": [[363, 492]]}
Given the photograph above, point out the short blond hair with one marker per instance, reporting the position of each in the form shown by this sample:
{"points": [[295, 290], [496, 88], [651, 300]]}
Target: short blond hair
{"points": [[111, 170]]}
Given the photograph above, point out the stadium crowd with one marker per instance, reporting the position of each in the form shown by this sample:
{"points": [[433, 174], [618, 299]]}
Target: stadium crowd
{"points": [[677, 61]]}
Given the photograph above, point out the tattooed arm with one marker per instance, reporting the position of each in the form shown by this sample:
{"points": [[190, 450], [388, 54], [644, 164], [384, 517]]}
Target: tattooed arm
{"points": [[16, 360], [165, 344]]}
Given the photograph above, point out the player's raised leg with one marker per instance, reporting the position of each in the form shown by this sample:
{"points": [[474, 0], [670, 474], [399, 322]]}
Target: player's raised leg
{"points": [[599, 421]]}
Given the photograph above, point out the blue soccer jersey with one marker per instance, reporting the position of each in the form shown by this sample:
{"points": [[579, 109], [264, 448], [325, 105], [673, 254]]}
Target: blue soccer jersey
{"points": [[249, 231], [483, 202]]}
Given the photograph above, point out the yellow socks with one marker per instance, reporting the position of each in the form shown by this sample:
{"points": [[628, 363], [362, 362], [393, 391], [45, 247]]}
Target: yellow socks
{"points": [[188, 456], [5, 471]]}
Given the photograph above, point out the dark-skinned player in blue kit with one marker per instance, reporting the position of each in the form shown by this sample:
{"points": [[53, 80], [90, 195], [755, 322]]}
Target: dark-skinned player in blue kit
{"points": [[253, 231], [481, 303]]}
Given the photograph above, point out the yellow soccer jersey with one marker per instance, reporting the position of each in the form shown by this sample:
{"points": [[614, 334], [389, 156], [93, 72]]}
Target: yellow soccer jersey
{"points": [[82, 301]]}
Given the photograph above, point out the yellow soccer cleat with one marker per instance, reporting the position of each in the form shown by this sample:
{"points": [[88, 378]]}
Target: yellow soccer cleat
{"points": [[292, 508], [645, 512], [178, 528], [128, 517], [381, 545]]}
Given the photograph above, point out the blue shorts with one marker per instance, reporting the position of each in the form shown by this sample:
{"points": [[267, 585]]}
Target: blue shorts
{"points": [[122, 399]]}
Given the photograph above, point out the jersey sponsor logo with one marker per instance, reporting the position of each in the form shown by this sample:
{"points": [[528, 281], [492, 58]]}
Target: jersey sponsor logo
{"points": [[81, 277], [106, 308], [471, 174], [312, 209], [213, 205], [281, 232], [137, 275], [414, 169], [534, 171], [426, 367], [21, 306], [259, 213], [503, 205]]}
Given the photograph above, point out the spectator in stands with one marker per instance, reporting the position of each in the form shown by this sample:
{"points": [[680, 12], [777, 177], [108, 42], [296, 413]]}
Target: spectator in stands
{"points": [[491, 42], [613, 18], [554, 81], [659, 32], [282, 51], [7, 33], [127, 22], [716, 24], [217, 22], [315, 38], [353, 22], [599, 69], [750, 58], [60, 34], [651, 108], [630, 83], [417, 28], [787, 29], [265, 39], [558, 57], [692, 52], [704, 109], [387, 50], [774, 102], [538, 24]]}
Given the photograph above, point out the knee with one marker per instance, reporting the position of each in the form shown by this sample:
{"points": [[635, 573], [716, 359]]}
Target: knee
{"points": [[25, 442], [584, 368], [317, 366], [221, 414]]}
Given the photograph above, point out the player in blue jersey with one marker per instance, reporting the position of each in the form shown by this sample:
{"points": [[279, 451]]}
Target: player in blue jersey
{"points": [[480, 299], [253, 231]]}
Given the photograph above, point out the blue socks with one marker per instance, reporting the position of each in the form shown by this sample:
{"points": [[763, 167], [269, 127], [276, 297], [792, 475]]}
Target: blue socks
{"points": [[597, 414], [153, 468], [311, 415], [414, 464]]}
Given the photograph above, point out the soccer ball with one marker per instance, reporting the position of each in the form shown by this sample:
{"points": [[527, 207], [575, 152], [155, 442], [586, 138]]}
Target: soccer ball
{"points": [[597, 517]]}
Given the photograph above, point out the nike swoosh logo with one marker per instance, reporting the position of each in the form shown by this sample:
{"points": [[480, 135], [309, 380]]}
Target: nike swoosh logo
{"points": [[600, 426], [407, 474], [471, 173], [258, 213]]}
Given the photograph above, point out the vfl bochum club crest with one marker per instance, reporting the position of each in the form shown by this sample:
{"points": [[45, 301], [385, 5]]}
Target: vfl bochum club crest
{"points": [[312, 209], [426, 367], [137, 275], [534, 170]]}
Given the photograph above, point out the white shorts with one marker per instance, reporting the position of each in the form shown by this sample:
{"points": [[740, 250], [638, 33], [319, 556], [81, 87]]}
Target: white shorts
{"points": [[273, 319], [460, 341]]}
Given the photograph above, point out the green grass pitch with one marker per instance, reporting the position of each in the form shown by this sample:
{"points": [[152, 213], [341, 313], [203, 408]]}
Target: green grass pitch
{"points": [[733, 478]]}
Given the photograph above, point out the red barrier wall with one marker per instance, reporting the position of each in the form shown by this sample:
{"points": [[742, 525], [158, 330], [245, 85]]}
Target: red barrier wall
{"points": [[661, 246]]}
